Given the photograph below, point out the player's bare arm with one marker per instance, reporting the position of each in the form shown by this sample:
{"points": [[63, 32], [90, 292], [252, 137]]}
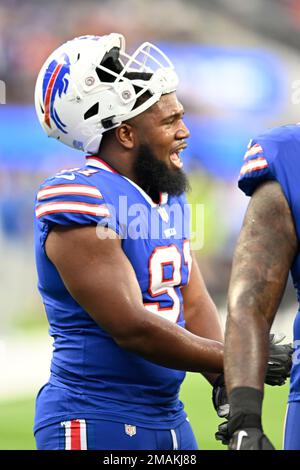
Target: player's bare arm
{"points": [[100, 278], [263, 256], [200, 312]]}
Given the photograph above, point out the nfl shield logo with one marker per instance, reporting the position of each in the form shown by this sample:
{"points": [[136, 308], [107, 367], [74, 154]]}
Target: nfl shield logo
{"points": [[130, 430]]}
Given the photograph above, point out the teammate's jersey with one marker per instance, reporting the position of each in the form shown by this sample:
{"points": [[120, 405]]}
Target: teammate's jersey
{"points": [[275, 155], [91, 376]]}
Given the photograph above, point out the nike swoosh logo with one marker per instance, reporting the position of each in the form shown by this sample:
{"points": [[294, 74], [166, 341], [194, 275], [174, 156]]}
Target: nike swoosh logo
{"points": [[240, 438], [67, 177]]}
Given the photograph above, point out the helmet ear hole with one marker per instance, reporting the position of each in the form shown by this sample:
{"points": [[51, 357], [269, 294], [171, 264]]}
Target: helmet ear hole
{"points": [[91, 112], [111, 62]]}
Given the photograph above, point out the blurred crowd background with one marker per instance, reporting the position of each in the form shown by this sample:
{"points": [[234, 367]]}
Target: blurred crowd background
{"points": [[238, 62]]}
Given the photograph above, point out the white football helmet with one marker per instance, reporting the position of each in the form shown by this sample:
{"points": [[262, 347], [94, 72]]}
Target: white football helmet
{"points": [[90, 85]]}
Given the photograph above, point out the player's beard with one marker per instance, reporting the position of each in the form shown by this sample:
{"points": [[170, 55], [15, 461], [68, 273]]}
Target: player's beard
{"points": [[155, 177]]}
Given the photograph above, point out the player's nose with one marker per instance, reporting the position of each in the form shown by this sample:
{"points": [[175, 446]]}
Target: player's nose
{"points": [[183, 131]]}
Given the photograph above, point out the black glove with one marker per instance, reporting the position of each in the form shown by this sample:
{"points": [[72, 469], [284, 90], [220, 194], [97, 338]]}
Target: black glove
{"points": [[279, 366], [250, 439], [219, 397], [246, 438], [222, 433], [280, 360], [221, 405], [244, 428], [247, 433]]}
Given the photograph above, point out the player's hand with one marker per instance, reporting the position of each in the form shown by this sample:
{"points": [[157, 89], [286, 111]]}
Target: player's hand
{"points": [[250, 439], [280, 360], [222, 433], [219, 397], [278, 369], [221, 405], [243, 438], [245, 431]]}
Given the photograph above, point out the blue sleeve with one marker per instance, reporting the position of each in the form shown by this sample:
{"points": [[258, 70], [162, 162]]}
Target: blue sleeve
{"points": [[258, 165], [275, 156], [76, 202]]}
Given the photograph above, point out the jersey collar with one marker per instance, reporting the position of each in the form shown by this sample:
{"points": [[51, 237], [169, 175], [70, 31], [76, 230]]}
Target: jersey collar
{"points": [[99, 163]]}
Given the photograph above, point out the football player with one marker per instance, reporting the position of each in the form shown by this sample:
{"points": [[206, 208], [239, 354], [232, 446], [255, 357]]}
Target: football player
{"points": [[267, 249], [113, 255]]}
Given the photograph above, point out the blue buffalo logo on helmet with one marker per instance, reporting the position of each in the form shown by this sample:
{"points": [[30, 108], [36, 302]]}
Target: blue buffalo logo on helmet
{"points": [[54, 84]]}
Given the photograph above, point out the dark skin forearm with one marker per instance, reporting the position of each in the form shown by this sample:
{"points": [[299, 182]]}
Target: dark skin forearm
{"points": [[262, 259], [166, 344]]}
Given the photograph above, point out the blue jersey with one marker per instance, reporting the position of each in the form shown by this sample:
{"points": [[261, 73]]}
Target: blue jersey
{"points": [[275, 155], [91, 376]]}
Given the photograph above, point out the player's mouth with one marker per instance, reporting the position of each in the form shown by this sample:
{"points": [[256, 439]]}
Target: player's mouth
{"points": [[175, 156]]}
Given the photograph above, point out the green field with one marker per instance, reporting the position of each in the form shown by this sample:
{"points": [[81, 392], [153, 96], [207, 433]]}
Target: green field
{"points": [[17, 416]]}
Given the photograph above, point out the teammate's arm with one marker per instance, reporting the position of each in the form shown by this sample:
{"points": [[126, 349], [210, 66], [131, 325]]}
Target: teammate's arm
{"points": [[262, 259], [263, 256], [101, 279]]}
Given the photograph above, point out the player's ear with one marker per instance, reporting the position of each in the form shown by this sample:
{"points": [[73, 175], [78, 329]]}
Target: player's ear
{"points": [[126, 136]]}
